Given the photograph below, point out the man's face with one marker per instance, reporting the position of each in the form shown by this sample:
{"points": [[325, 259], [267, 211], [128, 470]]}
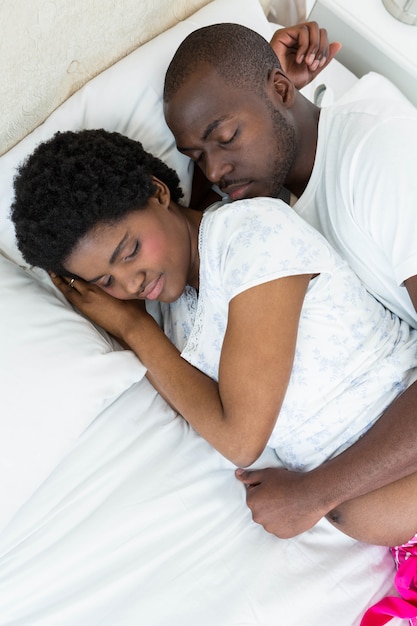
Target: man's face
{"points": [[239, 139]]}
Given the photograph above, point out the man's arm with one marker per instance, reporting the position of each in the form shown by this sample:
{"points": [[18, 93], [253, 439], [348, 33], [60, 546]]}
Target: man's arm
{"points": [[411, 285], [288, 503]]}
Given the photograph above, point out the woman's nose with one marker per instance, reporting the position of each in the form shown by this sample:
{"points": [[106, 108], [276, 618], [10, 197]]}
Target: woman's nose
{"points": [[132, 283]]}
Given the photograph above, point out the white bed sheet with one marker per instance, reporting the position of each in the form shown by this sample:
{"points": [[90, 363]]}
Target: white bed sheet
{"points": [[144, 524]]}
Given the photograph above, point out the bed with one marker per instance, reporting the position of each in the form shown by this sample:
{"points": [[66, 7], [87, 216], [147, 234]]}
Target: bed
{"points": [[113, 511]]}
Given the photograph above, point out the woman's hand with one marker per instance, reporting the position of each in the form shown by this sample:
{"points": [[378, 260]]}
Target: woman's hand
{"points": [[303, 51], [115, 316]]}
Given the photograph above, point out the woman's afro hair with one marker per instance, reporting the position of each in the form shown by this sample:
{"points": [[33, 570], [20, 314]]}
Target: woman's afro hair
{"points": [[73, 182]]}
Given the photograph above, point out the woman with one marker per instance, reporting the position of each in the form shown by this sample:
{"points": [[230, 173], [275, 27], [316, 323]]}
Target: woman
{"points": [[281, 344], [277, 326]]}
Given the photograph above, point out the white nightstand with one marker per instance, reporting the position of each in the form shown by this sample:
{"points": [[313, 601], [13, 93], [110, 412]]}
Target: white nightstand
{"points": [[373, 40]]}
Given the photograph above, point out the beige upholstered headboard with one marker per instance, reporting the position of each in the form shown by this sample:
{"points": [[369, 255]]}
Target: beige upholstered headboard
{"points": [[50, 48]]}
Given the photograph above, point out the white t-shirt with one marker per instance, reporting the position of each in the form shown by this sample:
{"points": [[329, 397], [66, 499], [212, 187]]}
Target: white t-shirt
{"points": [[352, 355], [362, 195]]}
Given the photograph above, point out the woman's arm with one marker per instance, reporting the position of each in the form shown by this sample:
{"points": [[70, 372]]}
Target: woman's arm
{"points": [[238, 414]]}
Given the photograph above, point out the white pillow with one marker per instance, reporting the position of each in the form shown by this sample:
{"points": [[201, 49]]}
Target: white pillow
{"points": [[126, 98], [373, 85], [57, 371]]}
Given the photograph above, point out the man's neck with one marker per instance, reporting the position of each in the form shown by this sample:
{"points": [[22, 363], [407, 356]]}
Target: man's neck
{"points": [[300, 173]]}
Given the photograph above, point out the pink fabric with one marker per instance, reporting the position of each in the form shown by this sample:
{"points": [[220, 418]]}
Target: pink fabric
{"points": [[404, 606]]}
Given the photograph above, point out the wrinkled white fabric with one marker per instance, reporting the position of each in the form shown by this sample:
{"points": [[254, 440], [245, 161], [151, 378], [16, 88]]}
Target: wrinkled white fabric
{"points": [[143, 523]]}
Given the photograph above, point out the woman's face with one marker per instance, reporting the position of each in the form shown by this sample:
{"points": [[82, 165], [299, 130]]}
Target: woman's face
{"points": [[148, 254]]}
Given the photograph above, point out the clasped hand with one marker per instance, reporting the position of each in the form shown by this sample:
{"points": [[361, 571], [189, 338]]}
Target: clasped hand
{"points": [[281, 501]]}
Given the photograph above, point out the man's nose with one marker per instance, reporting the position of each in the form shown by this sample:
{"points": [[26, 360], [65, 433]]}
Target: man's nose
{"points": [[216, 167]]}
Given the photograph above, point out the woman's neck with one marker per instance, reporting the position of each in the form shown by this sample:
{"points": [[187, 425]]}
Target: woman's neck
{"points": [[192, 220]]}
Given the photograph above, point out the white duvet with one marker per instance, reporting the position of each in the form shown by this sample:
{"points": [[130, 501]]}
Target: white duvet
{"points": [[144, 524]]}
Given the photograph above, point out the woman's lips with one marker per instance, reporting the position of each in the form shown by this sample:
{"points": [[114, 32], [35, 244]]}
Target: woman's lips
{"points": [[153, 289]]}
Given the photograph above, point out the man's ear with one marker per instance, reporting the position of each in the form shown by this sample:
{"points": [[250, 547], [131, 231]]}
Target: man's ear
{"points": [[162, 193], [281, 87]]}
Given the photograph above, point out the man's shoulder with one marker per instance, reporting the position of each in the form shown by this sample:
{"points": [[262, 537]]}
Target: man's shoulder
{"points": [[374, 85], [376, 96], [375, 110], [368, 124]]}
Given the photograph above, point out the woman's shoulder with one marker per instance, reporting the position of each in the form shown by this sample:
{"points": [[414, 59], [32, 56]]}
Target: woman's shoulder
{"points": [[260, 216], [249, 210]]}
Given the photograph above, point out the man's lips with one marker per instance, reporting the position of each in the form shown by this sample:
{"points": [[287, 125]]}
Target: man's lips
{"points": [[237, 191], [153, 289]]}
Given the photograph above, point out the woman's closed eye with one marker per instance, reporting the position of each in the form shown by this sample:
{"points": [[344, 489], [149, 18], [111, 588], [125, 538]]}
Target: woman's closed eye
{"points": [[105, 282], [133, 253]]}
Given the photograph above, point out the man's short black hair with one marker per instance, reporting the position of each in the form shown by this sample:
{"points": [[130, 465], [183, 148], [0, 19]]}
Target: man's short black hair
{"points": [[239, 54]]}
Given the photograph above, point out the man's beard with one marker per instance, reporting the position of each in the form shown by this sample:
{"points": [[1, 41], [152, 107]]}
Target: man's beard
{"points": [[284, 136]]}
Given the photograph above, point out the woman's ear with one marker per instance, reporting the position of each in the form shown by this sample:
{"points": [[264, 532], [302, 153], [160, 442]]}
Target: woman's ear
{"points": [[162, 193], [281, 87]]}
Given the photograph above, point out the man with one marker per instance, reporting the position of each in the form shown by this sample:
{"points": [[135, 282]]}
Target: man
{"points": [[241, 119]]}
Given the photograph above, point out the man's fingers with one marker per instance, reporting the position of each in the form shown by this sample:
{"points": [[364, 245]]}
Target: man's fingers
{"points": [[248, 478], [334, 49], [317, 67], [309, 42]]}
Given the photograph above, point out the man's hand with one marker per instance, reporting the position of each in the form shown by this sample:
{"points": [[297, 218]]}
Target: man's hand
{"points": [[280, 501], [303, 51]]}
